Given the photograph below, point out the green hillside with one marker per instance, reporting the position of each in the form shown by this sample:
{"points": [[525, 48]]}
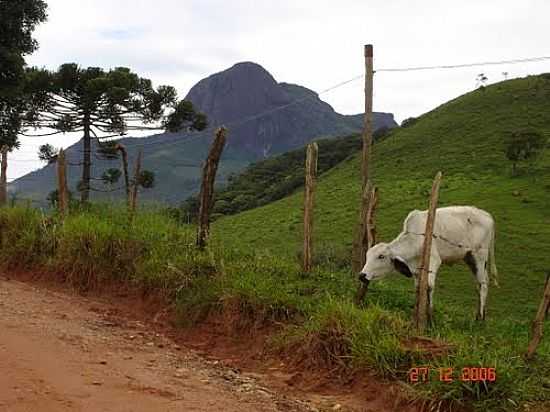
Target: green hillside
{"points": [[272, 179], [464, 139]]}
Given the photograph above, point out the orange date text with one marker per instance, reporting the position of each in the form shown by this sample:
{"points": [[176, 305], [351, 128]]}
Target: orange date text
{"points": [[467, 374]]}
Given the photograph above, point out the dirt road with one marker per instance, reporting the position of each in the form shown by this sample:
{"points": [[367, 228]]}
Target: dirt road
{"points": [[60, 352]]}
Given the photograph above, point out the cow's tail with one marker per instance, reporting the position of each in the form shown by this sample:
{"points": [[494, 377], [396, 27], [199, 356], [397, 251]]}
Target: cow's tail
{"points": [[492, 260]]}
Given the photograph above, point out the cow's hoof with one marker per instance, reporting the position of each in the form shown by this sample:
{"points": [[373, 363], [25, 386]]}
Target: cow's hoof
{"points": [[480, 317]]}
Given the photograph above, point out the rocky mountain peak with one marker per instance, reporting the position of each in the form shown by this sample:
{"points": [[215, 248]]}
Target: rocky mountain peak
{"points": [[242, 90]]}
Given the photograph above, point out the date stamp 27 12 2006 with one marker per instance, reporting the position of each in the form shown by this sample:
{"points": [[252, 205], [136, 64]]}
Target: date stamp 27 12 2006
{"points": [[468, 374]]}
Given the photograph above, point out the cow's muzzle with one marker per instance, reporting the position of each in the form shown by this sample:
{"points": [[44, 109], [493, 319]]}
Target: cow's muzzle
{"points": [[363, 288], [363, 278]]}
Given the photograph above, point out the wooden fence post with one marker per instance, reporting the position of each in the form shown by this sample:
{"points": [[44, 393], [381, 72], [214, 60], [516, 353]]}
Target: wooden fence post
{"points": [[135, 184], [537, 326], [368, 120], [62, 192], [124, 156], [361, 241], [360, 244], [4, 176], [421, 310], [371, 223], [309, 198], [207, 187], [366, 237]]}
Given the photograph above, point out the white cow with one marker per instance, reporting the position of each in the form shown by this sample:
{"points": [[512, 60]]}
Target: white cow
{"points": [[461, 233]]}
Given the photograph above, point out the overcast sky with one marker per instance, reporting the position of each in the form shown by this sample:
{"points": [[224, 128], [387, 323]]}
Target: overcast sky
{"points": [[314, 43]]}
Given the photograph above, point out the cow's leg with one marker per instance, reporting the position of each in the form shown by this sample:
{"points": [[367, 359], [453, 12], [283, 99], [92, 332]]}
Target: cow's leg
{"points": [[482, 277], [435, 262], [431, 286]]}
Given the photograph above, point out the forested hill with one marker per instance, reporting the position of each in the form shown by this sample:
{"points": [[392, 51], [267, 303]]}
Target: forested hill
{"points": [[274, 178]]}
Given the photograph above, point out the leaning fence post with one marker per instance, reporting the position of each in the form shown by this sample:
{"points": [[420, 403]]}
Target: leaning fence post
{"points": [[135, 184], [3, 175], [309, 197], [366, 236], [421, 312], [62, 193], [124, 155], [370, 223], [360, 242], [537, 326], [207, 187], [368, 119]]}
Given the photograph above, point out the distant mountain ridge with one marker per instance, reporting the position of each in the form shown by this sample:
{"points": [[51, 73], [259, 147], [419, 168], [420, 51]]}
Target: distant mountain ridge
{"points": [[264, 118], [247, 89]]}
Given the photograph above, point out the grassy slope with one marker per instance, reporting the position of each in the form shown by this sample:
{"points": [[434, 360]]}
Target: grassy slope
{"points": [[463, 138]]}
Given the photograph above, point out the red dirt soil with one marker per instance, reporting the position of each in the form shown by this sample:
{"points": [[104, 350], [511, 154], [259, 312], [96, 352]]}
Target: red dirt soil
{"points": [[63, 352]]}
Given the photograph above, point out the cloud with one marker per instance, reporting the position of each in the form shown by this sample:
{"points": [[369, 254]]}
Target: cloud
{"points": [[314, 43], [123, 34]]}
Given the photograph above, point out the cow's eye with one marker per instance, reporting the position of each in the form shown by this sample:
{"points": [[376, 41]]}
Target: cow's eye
{"points": [[381, 257]]}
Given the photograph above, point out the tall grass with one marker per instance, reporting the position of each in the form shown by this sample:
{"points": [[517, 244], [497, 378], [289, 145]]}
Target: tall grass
{"points": [[26, 237], [317, 323], [100, 244]]}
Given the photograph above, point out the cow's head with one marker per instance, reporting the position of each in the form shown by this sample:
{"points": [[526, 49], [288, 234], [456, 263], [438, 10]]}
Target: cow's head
{"points": [[381, 261]]}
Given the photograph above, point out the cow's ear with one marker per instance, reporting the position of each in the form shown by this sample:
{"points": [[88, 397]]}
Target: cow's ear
{"points": [[401, 266]]}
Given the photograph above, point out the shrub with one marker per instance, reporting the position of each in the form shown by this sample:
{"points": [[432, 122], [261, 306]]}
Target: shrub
{"points": [[408, 122], [524, 145], [27, 237], [380, 133]]}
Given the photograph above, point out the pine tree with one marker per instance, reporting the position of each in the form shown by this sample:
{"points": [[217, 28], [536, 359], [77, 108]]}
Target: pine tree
{"points": [[103, 105]]}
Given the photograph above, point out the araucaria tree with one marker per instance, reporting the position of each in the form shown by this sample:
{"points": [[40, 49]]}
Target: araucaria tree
{"points": [[111, 150], [17, 22], [103, 105]]}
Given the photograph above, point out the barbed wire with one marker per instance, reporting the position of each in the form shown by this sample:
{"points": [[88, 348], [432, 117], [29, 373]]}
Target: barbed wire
{"points": [[464, 65], [24, 160], [343, 83]]}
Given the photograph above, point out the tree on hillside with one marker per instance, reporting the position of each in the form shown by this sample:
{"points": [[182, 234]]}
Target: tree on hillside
{"points": [[112, 150], [111, 176], [381, 133], [408, 122], [53, 198], [47, 153], [481, 80], [524, 145], [106, 104], [12, 123], [17, 22], [146, 179]]}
